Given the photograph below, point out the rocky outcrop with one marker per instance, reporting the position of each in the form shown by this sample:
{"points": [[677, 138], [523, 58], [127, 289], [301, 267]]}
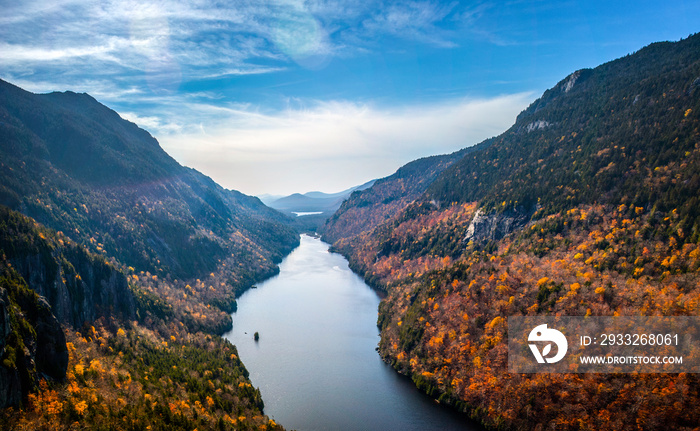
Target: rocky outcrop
{"points": [[51, 353], [79, 287], [10, 386], [47, 280], [32, 343], [537, 125], [570, 81], [494, 226]]}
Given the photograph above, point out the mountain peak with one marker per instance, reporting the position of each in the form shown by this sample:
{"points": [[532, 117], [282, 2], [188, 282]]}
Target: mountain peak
{"points": [[83, 138], [75, 165]]}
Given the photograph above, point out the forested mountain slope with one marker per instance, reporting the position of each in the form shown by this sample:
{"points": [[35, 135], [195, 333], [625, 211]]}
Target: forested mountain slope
{"points": [[366, 209], [606, 134], [79, 286], [74, 165], [138, 261], [117, 352], [588, 205]]}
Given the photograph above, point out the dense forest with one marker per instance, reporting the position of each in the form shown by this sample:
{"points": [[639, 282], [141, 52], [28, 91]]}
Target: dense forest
{"points": [[119, 268], [136, 362], [586, 206]]}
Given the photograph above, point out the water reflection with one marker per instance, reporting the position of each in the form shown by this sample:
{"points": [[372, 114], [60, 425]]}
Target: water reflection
{"points": [[315, 362]]}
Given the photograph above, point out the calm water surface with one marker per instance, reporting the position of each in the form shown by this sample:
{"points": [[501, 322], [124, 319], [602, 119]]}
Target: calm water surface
{"points": [[316, 363]]}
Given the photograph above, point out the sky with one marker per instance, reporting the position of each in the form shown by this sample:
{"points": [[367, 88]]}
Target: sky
{"points": [[285, 96]]}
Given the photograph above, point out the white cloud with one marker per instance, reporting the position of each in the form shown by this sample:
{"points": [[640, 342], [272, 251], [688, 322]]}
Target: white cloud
{"points": [[151, 123], [19, 53], [333, 145], [165, 42], [135, 56], [237, 71]]}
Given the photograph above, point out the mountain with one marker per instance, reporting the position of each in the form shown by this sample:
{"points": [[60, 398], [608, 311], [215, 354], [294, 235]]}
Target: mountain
{"points": [[326, 203], [318, 206], [92, 348], [47, 280], [117, 268], [367, 208], [76, 166], [79, 286], [586, 206], [588, 138], [32, 343], [266, 198], [302, 203]]}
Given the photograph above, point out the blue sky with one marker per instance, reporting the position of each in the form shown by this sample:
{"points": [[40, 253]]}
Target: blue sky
{"points": [[292, 96]]}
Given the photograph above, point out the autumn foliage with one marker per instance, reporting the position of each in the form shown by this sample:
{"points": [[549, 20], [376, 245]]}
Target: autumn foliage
{"points": [[609, 188], [164, 369], [443, 321], [136, 379]]}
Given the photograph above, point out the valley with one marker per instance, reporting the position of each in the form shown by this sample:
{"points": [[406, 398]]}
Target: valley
{"points": [[121, 269], [316, 362], [138, 258]]}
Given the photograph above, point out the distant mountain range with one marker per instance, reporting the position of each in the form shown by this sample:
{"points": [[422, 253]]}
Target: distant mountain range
{"points": [[311, 202], [367, 209]]}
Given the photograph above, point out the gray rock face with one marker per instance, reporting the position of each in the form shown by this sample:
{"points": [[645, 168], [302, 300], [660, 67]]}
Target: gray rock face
{"points": [[80, 290], [5, 328], [51, 352], [42, 352], [46, 282], [494, 226], [571, 81], [537, 125], [10, 387]]}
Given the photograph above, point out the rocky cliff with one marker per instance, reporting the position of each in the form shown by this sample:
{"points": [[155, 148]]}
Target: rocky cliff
{"points": [[79, 286], [32, 343], [48, 280], [494, 226]]}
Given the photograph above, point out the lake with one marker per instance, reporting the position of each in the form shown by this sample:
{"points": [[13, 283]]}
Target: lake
{"points": [[315, 362]]}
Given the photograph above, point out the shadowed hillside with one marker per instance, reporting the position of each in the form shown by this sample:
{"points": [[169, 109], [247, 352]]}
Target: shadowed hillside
{"points": [[116, 276], [76, 166]]}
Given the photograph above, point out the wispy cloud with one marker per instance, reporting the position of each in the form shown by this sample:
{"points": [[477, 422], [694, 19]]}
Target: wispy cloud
{"points": [[158, 44], [196, 34], [414, 20], [336, 143], [137, 56], [134, 52], [33, 54]]}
